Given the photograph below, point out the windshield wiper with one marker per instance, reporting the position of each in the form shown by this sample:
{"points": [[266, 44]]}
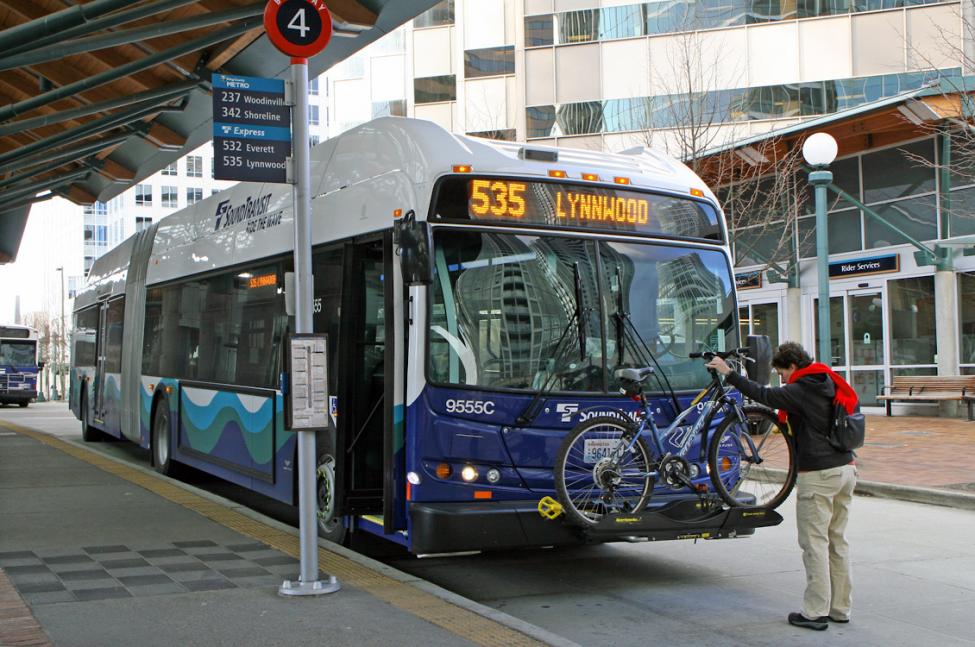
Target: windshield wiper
{"points": [[579, 318], [640, 347]]}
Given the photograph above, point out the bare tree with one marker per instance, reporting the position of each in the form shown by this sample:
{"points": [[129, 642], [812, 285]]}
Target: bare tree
{"points": [[696, 121]]}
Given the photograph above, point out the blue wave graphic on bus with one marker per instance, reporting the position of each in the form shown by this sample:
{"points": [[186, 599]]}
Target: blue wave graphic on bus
{"points": [[222, 405]]}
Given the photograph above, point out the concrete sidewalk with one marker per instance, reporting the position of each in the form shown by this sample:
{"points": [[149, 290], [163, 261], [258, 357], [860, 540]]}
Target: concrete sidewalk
{"points": [[102, 553]]}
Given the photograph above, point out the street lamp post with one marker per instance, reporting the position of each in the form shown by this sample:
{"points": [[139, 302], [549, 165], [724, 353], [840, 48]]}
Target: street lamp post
{"points": [[819, 151], [62, 350]]}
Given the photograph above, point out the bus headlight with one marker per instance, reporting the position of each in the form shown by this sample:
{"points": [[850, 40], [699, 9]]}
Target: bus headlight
{"points": [[493, 475], [468, 473], [413, 478]]}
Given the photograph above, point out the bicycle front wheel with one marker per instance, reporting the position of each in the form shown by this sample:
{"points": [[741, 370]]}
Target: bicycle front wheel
{"points": [[753, 464], [602, 467]]}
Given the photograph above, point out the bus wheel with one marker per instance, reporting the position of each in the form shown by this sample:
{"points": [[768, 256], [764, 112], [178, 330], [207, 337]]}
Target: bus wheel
{"points": [[161, 441], [88, 433], [23, 404], [329, 525]]}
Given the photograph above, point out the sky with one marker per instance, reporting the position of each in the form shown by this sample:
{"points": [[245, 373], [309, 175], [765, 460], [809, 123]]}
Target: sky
{"points": [[53, 238]]}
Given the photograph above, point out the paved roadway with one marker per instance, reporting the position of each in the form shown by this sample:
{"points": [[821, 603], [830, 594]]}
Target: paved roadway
{"points": [[914, 576]]}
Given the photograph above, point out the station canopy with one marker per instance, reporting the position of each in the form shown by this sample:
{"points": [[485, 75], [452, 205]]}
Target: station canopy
{"points": [[96, 96]]}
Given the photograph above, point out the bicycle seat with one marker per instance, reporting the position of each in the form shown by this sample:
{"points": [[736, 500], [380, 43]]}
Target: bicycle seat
{"points": [[633, 374]]}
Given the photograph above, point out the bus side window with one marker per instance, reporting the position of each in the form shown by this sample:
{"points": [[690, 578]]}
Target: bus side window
{"points": [[113, 346]]}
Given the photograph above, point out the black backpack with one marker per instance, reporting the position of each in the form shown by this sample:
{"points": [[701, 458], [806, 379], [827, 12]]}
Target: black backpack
{"points": [[847, 430]]}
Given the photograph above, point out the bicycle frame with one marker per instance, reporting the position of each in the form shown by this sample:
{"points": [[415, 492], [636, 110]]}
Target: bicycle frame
{"points": [[709, 401]]}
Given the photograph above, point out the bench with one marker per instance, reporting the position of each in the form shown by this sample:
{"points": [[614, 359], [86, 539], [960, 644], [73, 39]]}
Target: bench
{"points": [[930, 388]]}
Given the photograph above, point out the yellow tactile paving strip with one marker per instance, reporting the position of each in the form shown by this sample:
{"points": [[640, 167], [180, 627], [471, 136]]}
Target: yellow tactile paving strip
{"points": [[461, 622]]}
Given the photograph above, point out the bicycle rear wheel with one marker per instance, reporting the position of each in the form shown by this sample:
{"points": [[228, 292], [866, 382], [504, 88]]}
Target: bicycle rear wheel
{"points": [[598, 471], [753, 464]]}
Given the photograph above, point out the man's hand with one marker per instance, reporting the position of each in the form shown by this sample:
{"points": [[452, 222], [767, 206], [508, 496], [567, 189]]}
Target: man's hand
{"points": [[719, 365]]}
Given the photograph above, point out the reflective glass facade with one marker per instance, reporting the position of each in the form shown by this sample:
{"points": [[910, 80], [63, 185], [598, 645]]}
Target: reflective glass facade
{"points": [[669, 16], [765, 102]]}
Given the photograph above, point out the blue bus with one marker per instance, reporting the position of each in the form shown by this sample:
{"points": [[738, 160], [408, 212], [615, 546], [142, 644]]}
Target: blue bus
{"points": [[449, 272], [18, 365]]}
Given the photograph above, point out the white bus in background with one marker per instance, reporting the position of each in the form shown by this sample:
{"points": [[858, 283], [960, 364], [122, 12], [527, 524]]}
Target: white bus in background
{"points": [[19, 367]]}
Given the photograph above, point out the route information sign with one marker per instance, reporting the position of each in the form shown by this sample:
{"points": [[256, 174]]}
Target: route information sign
{"points": [[251, 129]]}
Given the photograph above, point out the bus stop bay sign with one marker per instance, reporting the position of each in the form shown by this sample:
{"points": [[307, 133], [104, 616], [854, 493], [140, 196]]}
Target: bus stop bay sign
{"points": [[251, 129], [298, 28]]}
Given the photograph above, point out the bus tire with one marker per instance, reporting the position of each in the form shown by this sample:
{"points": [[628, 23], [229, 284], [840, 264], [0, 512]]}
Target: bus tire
{"points": [[162, 448], [23, 404], [330, 526], [88, 433]]}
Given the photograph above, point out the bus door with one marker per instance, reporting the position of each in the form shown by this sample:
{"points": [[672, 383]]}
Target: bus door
{"points": [[364, 410], [101, 357]]}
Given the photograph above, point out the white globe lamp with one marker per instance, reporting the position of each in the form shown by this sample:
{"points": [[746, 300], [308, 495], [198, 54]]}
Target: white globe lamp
{"points": [[819, 150]]}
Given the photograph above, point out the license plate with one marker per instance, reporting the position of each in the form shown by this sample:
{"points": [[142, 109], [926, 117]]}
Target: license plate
{"points": [[596, 449]]}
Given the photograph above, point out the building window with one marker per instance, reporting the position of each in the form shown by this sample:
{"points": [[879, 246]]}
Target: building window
{"points": [[508, 134], [313, 119], [441, 14], [313, 87], [142, 222], [194, 166], [492, 61], [966, 288], [395, 108], [912, 321], [539, 31], [434, 89], [96, 209], [742, 104], [143, 195], [169, 196], [193, 195], [169, 169]]}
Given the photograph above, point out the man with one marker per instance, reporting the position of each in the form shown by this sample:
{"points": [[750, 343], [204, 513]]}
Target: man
{"points": [[826, 476]]}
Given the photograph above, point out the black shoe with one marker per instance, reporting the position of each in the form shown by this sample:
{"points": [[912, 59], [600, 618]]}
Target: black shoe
{"points": [[799, 620], [838, 620]]}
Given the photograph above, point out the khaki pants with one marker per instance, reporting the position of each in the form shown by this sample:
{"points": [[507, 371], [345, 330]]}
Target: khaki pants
{"points": [[822, 510]]}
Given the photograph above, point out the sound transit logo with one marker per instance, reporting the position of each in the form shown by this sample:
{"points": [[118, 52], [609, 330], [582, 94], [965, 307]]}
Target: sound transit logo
{"points": [[253, 210]]}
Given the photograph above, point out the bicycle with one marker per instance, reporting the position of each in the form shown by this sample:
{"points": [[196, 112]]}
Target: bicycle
{"points": [[606, 466]]}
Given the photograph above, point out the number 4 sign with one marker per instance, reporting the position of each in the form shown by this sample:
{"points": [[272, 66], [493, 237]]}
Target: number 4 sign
{"points": [[298, 28]]}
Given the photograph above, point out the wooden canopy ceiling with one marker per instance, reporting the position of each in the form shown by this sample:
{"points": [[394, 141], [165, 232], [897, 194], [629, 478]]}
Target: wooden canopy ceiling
{"points": [[97, 95]]}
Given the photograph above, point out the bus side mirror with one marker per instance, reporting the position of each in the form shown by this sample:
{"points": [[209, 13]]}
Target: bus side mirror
{"points": [[412, 243], [760, 350]]}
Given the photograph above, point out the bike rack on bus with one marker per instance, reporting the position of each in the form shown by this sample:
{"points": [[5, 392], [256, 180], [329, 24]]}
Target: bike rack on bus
{"points": [[683, 520]]}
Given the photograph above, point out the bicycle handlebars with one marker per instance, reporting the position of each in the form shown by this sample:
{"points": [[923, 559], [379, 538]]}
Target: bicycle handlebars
{"points": [[709, 355]]}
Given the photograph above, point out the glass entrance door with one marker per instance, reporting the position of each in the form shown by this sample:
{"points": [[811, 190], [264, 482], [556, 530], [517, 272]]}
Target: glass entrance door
{"points": [[858, 346], [865, 312]]}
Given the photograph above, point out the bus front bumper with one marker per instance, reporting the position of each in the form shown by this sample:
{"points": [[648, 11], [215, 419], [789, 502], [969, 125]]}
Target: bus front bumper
{"points": [[455, 527], [13, 397]]}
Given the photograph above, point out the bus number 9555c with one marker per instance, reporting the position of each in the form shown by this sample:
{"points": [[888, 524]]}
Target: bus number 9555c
{"points": [[478, 407]]}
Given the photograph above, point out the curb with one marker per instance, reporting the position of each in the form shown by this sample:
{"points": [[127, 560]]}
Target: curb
{"points": [[516, 624], [916, 494]]}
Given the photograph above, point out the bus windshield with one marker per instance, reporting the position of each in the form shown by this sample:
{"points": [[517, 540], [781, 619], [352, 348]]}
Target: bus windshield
{"points": [[504, 308], [19, 354]]}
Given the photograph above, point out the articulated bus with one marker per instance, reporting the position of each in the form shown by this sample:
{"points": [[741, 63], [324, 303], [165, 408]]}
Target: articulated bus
{"points": [[469, 290], [18, 365]]}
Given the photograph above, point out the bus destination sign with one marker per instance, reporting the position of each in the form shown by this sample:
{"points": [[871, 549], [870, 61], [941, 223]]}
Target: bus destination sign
{"points": [[575, 205], [251, 129]]}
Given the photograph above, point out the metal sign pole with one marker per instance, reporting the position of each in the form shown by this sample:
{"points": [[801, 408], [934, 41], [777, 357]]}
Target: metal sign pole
{"points": [[308, 582]]}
